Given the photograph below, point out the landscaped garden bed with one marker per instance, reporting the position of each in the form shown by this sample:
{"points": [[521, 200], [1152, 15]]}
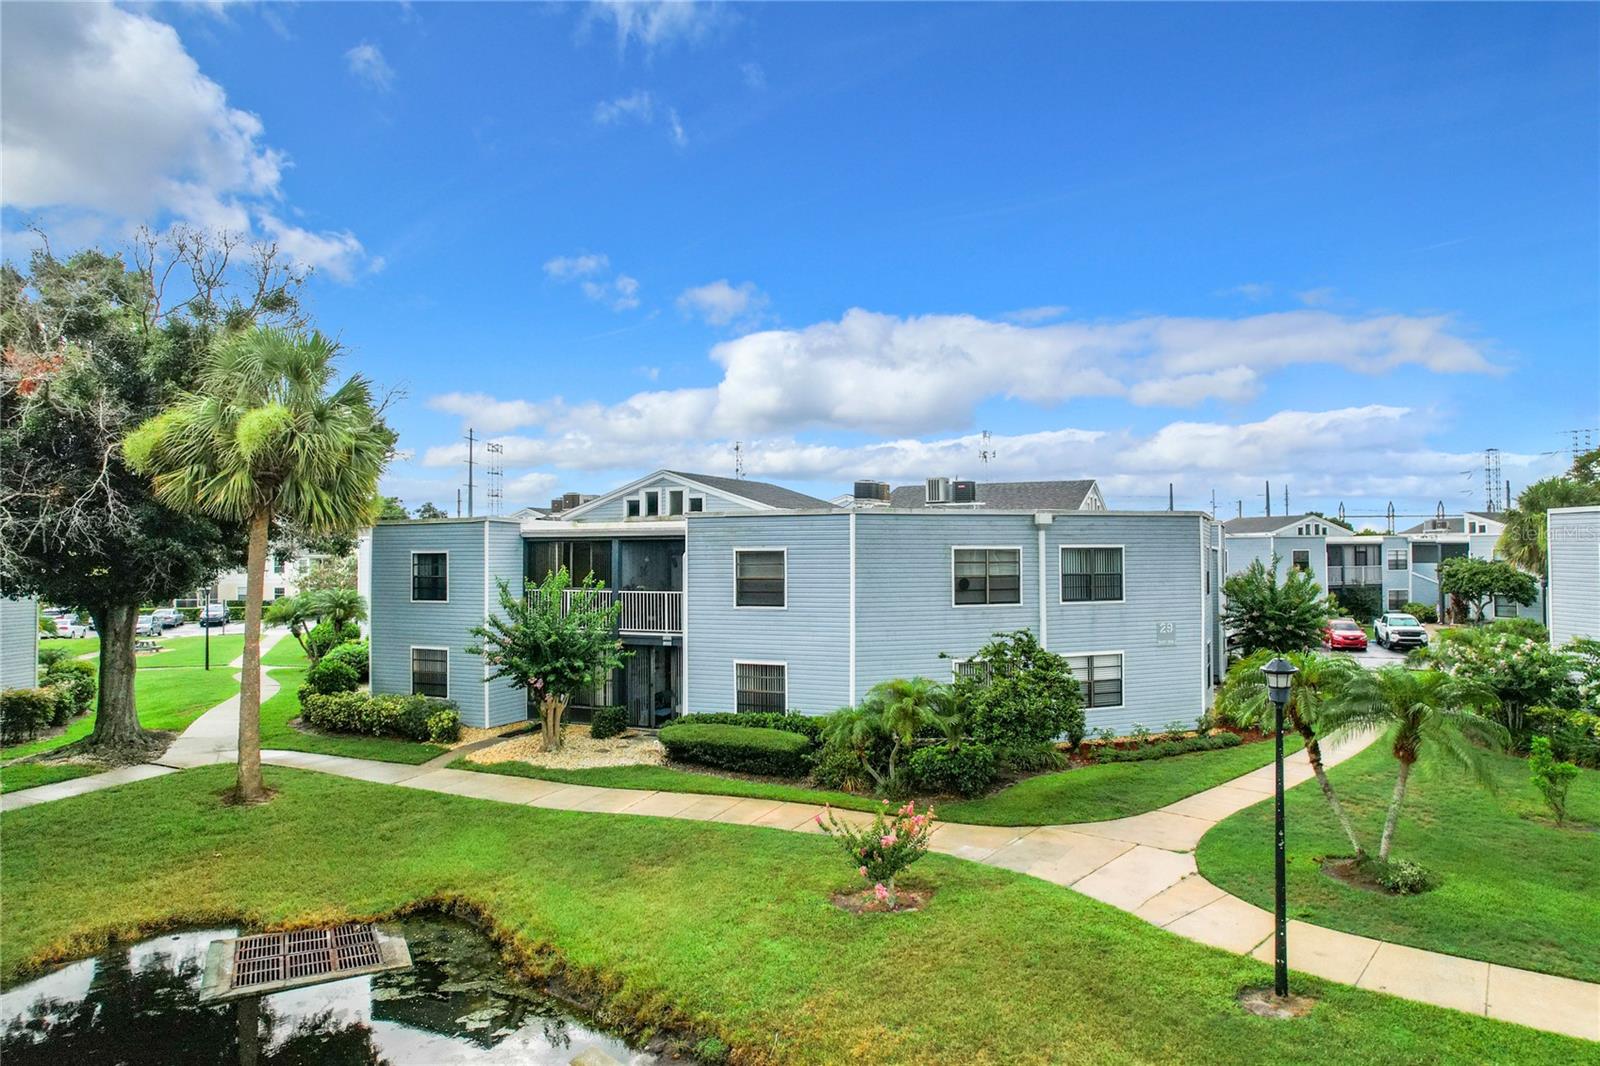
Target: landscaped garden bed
{"points": [[719, 931]]}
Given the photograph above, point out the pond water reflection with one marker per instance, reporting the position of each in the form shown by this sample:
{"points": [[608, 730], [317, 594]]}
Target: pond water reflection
{"points": [[140, 1005]]}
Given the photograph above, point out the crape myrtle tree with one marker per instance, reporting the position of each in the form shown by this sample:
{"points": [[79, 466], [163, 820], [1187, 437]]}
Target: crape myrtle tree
{"points": [[1478, 581], [93, 344], [552, 644], [267, 433], [1264, 615]]}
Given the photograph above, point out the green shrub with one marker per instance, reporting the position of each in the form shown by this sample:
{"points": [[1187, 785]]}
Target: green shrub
{"points": [[1550, 777], [353, 653], [1027, 758], [236, 612], [1573, 735], [50, 654], [76, 678], [1162, 749], [1021, 694], [964, 771], [807, 725], [321, 639], [608, 722], [1422, 612], [25, 711], [1361, 602], [1527, 628], [838, 767], [1400, 876], [422, 718], [775, 752], [190, 614], [330, 676]]}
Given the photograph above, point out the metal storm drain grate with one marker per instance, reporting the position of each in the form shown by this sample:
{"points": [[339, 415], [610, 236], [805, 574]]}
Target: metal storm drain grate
{"points": [[270, 962]]}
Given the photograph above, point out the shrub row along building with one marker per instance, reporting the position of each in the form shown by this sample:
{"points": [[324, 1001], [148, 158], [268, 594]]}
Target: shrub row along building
{"points": [[741, 595]]}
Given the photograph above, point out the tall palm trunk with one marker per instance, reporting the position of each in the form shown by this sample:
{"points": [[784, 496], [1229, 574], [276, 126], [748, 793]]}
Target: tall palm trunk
{"points": [[1314, 756], [1394, 810], [251, 789], [116, 720]]}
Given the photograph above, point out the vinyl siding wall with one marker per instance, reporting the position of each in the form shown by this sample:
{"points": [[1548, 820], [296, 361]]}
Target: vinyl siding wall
{"points": [[19, 643], [397, 625], [616, 510], [1574, 538]]}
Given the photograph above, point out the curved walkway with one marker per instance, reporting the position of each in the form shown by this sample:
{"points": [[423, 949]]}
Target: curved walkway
{"points": [[1143, 864]]}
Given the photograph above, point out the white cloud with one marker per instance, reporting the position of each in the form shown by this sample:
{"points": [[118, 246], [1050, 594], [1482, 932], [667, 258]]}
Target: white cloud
{"points": [[755, 77], [1250, 290], [1320, 297], [109, 123], [621, 293], [657, 24], [566, 267], [1030, 316], [1234, 383], [339, 255], [720, 303], [367, 63], [536, 485], [642, 107], [486, 413]]}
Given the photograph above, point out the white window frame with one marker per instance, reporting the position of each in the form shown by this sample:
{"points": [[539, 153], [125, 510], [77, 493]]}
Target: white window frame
{"points": [[644, 503], [1122, 657], [412, 577], [411, 666], [760, 607], [1061, 576], [1021, 573], [681, 498], [637, 503], [760, 662], [689, 504]]}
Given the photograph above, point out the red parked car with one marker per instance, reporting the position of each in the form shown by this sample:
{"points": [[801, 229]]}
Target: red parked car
{"points": [[1344, 634]]}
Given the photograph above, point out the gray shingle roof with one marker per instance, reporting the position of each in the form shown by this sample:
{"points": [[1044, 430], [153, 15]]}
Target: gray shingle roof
{"points": [[1008, 495], [759, 491], [1262, 525]]}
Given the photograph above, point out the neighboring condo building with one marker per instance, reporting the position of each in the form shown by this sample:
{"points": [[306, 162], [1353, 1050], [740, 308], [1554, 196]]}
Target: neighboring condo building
{"points": [[1403, 567], [1573, 537], [743, 595], [19, 643]]}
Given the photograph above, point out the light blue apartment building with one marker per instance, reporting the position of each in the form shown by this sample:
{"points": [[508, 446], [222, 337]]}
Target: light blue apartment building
{"points": [[1403, 566], [1573, 535], [742, 595]]}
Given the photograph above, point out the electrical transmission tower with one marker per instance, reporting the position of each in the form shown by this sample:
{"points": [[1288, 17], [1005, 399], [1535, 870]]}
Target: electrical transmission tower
{"points": [[1491, 479], [985, 448], [496, 469], [738, 459]]}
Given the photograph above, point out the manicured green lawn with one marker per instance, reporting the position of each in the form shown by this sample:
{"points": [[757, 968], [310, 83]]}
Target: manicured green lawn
{"points": [[287, 652], [32, 774], [1087, 794], [191, 651], [75, 646], [167, 699], [1514, 890], [729, 929], [276, 732]]}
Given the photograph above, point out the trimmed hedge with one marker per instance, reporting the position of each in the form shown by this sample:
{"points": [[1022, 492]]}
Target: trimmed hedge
{"points": [[76, 679], [1162, 749], [965, 771], [355, 654], [421, 718], [25, 711], [749, 750], [807, 725], [332, 675], [1423, 612], [608, 722]]}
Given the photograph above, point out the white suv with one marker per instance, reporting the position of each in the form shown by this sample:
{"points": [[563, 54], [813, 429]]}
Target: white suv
{"points": [[1396, 630]]}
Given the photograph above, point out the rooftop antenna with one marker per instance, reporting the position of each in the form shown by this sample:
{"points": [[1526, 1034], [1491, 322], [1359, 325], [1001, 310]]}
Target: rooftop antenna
{"points": [[471, 440], [497, 473], [738, 459], [985, 448], [1491, 479], [1390, 516], [1341, 512], [1582, 441], [1438, 512]]}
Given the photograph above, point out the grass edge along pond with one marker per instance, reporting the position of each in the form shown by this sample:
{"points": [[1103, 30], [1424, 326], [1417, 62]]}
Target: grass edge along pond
{"points": [[1514, 889], [714, 929], [1083, 794]]}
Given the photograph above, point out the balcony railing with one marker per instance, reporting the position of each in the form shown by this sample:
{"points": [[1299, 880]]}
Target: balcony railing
{"points": [[643, 613], [1344, 576]]}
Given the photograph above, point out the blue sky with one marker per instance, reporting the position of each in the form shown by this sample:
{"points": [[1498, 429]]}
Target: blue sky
{"points": [[1343, 248]]}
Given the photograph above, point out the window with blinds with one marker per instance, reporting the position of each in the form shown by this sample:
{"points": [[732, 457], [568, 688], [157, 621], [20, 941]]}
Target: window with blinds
{"points": [[760, 687], [758, 579], [987, 575], [430, 672], [1091, 574], [430, 576], [1100, 678]]}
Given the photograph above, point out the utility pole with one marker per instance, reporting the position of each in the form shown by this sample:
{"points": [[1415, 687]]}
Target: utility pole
{"points": [[1286, 501], [458, 503], [1241, 508], [1169, 496], [471, 439], [1269, 499]]}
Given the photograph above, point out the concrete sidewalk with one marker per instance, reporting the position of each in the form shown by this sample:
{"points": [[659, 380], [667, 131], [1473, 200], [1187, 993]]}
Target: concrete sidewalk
{"points": [[1142, 864]]}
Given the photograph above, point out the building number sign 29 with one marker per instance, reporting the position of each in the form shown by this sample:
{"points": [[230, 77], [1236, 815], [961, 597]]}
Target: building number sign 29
{"points": [[1166, 634]]}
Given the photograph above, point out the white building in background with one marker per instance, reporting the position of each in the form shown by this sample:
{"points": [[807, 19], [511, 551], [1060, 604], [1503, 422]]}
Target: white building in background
{"points": [[1574, 561], [280, 578]]}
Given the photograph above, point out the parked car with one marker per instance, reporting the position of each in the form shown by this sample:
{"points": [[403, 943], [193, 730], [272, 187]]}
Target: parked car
{"points": [[214, 615], [1396, 630], [75, 626], [168, 617], [1344, 634], [147, 626]]}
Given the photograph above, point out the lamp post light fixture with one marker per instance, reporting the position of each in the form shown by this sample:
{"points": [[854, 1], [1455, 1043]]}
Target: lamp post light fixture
{"points": [[1280, 678]]}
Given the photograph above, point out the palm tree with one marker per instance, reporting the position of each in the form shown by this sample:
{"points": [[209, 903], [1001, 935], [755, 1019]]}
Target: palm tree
{"points": [[1424, 711], [1323, 680], [267, 436], [297, 613], [339, 607], [892, 711]]}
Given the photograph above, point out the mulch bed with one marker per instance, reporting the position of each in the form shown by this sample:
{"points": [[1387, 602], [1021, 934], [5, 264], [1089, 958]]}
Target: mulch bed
{"points": [[866, 902]]}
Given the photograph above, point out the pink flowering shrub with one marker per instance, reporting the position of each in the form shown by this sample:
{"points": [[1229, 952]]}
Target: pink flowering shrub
{"points": [[896, 838]]}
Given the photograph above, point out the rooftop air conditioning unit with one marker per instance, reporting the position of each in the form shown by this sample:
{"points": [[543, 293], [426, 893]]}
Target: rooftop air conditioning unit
{"points": [[871, 492], [964, 492], [938, 490]]}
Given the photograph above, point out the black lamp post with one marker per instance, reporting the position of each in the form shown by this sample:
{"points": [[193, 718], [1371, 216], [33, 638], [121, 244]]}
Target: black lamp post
{"points": [[1280, 676]]}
